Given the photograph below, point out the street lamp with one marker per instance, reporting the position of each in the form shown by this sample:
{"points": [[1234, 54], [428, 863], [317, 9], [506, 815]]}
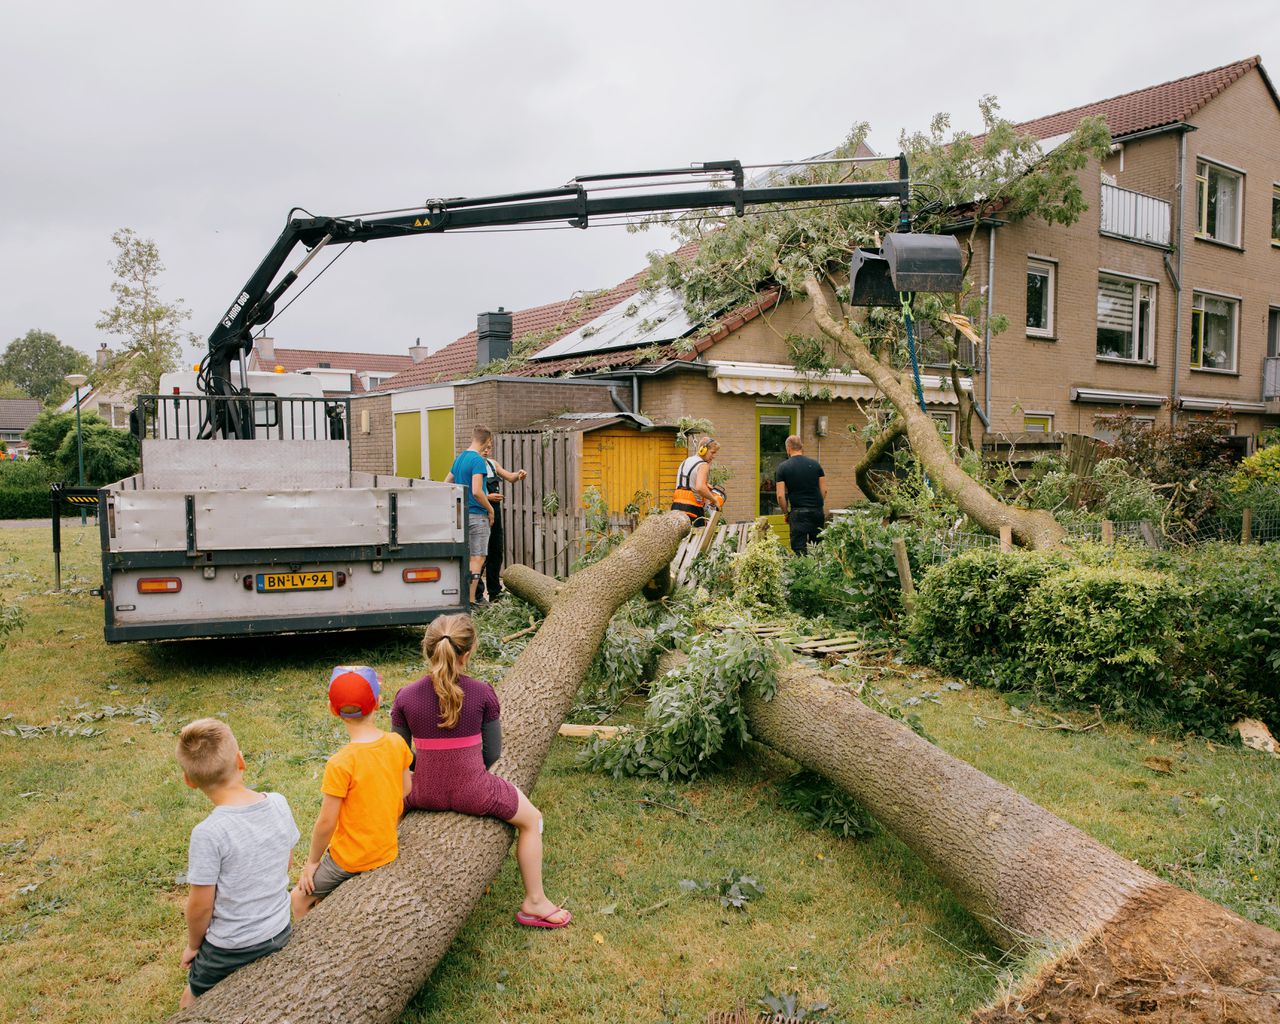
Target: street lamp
{"points": [[77, 381]]}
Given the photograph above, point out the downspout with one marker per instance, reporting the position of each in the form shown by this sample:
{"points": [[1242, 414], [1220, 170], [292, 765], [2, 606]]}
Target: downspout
{"points": [[1177, 276], [986, 333]]}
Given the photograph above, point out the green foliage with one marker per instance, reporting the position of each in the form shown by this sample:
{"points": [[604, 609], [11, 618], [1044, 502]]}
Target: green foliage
{"points": [[37, 363], [734, 889], [151, 328], [787, 1006], [109, 454], [688, 428], [622, 663], [758, 571], [11, 620], [819, 804], [694, 718], [850, 575], [1184, 639], [44, 436], [713, 570], [601, 535], [1260, 468], [19, 474]]}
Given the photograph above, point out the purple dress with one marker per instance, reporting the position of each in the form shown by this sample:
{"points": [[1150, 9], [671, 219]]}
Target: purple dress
{"points": [[450, 774]]}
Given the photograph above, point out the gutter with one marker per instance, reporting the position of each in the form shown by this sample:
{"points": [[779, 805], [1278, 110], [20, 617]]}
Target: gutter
{"points": [[1176, 275]]}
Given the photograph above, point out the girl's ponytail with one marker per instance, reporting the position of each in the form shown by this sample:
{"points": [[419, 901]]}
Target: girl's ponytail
{"points": [[447, 639]]}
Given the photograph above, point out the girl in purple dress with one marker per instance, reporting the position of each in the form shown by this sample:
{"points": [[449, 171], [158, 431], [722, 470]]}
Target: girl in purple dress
{"points": [[451, 723]]}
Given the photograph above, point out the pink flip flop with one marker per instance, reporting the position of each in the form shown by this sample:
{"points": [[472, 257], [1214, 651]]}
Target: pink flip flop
{"points": [[536, 921]]}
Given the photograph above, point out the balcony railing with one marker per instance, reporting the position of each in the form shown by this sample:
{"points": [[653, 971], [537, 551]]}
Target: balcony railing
{"points": [[1271, 378], [1134, 215]]}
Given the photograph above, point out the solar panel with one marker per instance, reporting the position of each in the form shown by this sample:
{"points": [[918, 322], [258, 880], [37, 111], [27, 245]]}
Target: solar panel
{"points": [[640, 320]]}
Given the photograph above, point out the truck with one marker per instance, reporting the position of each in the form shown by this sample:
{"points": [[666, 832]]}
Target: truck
{"points": [[247, 516]]}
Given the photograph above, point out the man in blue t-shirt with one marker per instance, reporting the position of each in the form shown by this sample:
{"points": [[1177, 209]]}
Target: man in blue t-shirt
{"points": [[469, 470]]}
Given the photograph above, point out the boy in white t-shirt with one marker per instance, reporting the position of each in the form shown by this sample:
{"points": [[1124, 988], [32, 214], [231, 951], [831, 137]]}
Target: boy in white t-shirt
{"points": [[238, 862]]}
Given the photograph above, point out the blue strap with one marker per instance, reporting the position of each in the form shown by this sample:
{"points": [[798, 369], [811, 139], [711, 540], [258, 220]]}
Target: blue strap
{"points": [[908, 322]]}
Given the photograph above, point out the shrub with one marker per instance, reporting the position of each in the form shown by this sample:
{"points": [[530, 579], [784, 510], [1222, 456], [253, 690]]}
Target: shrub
{"points": [[969, 612], [758, 571], [1102, 634]]}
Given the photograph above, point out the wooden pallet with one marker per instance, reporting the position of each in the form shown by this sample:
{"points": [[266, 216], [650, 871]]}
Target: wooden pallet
{"points": [[813, 646], [704, 540]]}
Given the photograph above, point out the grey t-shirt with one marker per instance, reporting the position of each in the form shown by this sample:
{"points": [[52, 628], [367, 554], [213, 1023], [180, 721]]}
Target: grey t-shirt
{"points": [[244, 851]]}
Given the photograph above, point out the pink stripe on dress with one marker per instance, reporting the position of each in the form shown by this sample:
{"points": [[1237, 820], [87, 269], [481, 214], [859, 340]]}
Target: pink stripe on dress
{"points": [[446, 742]]}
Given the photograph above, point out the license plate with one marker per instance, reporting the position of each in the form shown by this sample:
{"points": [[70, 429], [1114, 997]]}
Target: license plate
{"points": [[279, 582]]}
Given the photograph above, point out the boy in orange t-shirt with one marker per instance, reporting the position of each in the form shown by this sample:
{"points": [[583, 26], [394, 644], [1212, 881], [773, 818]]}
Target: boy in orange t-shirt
{"points": [[365, 784]]}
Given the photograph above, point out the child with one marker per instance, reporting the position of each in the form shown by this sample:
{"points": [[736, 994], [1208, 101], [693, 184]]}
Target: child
{"points": [[452, 722], [238, 863], [364, 787]]}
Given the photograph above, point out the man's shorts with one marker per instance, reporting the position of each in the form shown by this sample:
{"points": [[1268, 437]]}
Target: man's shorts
{"points": [[478, 534], [213, 963], [328, 877]]}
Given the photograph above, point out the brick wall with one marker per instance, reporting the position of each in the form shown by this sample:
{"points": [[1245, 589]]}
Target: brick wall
{"points": [[511, 404], [372, 452]]}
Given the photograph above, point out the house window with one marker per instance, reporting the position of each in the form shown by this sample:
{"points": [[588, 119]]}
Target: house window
{"points": [[1213, 331], [946, 424], [1126, 319], [1275, 214], [1218, 202], [1040, 277], [1038, 423], [1273, 332]]}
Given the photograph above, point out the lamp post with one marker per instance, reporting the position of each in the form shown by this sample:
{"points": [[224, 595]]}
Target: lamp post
{"points": [[77, 381]]}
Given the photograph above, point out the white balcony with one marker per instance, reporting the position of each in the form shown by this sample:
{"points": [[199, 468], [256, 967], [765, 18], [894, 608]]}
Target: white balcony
{"points": [[1135, 216]]}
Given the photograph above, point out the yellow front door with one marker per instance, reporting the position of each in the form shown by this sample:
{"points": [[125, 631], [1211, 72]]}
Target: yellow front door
{"points": [[408, 444], [774, 424]]}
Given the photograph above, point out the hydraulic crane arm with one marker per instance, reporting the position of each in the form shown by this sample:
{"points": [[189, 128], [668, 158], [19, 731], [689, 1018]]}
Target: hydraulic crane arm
{"points": [[573, 203]]}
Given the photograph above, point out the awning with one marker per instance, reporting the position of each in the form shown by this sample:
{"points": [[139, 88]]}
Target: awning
{"points": [[1101, 397], [1194, 404], [775, 379]]}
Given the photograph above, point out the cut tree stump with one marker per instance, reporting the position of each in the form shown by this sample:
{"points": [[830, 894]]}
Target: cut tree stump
{"points": [[360, 956]]}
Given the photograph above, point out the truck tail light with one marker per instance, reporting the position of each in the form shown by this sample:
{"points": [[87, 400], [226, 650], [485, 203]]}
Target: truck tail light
{"points": [[420, 575], [159, 585]]}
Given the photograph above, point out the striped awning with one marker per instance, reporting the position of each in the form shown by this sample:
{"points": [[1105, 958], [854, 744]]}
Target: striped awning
{"points": [[774, 379]]}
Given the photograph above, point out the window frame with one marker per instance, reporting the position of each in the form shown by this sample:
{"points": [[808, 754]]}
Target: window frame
{"points": [[1049, 267], [945, 420], [1137, 283], [1275, 213], [1202, 201], [1198, 295], [1273, 331], [1045, 417]]}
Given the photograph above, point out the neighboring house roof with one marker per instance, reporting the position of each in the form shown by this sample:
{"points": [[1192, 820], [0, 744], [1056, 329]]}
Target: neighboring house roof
{"points": [[18, 413], [294, 360], [1156, 106]]}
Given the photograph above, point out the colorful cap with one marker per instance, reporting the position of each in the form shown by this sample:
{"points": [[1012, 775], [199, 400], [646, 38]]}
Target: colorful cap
{"points": [[354, 686]]}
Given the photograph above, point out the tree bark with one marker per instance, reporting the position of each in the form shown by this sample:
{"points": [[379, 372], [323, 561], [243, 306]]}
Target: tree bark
{"points": [[363, 952], [1030, 879], [1033, 528]]}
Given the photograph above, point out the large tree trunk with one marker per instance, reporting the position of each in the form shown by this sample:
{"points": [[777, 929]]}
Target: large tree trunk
{"points": [[1033, 528], [882, 443], [363, 952], [1029, 878]]}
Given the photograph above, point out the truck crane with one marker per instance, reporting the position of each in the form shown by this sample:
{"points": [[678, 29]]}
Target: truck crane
{"points": [[275, 531]]}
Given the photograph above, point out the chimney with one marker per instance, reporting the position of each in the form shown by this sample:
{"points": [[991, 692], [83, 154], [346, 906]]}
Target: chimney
{"points": [[493, 336], [102, 356], [266, 352], [417, 351]]}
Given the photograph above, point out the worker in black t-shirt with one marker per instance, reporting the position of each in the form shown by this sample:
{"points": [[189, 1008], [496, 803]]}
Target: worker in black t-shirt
{"points": [[802, 491]]}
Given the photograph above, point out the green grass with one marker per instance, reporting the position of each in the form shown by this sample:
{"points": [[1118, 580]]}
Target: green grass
{"points": [[98, 824]]}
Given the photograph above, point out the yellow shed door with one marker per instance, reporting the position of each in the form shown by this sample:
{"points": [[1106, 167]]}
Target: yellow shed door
{"points": [[409, 444], [440, 442], [630, 468]]}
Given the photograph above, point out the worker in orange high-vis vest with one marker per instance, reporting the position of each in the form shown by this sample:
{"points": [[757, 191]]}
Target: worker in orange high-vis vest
{"points": [[694, 495]]}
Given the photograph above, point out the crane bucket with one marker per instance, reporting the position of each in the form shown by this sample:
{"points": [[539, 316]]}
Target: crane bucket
{"points": [[906, 263]]}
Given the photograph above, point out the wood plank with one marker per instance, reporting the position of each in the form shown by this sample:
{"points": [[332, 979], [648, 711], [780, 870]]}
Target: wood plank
{"points": [[587, 731]]}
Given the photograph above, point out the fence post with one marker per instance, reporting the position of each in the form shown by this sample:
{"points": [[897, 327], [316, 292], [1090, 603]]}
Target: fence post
{"points": [[1006, 538], [1246, 527], [1108, 532], [904, 573]]}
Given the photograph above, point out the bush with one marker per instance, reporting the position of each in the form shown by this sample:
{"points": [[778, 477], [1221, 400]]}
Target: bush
{"points": [[969, 613], [758, 571], [850, 575], [109, 454]]}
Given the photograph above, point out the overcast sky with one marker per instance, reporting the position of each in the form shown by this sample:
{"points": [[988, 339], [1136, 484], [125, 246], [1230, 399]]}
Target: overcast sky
{"points": [[201, 125]]}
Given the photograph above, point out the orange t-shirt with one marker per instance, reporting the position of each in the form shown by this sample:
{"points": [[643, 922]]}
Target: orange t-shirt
{"points": [[369, 777]]}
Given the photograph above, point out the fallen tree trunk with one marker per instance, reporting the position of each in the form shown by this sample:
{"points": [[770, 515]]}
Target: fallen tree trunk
{"points": [[363, 952], [1130, 940]]}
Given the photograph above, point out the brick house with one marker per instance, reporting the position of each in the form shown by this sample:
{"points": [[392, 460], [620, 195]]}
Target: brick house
{"points": [[16, 414], [343, 374], [1163, 300]]}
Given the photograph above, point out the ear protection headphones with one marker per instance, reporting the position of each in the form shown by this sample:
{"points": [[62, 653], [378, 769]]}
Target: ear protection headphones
{"points": [[707, 445]]}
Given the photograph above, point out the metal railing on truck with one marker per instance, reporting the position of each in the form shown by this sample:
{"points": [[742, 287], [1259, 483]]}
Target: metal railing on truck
{"points": [[270, 417]]}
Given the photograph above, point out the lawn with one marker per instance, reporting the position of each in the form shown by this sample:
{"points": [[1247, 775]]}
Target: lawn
{"points": [[94, 820]]}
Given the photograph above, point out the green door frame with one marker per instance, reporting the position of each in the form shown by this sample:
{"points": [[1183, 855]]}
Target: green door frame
{"points": [[765, 412]]}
